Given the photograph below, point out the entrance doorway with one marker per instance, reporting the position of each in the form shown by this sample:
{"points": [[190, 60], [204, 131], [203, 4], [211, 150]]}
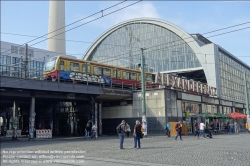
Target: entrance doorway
{"points": [[62, 125]]}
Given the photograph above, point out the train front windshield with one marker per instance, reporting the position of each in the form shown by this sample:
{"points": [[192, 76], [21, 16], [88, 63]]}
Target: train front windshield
{"points": [[50, 64]]}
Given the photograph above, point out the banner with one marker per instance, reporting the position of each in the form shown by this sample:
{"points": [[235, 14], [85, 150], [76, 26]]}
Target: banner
{"points": [[44, 133], [144, 125]]}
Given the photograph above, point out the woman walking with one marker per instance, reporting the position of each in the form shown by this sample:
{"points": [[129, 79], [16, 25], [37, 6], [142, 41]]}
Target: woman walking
{"points": [[87, 130], [127, 129]]}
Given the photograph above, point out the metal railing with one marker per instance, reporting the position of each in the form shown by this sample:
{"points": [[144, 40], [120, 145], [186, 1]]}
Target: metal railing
{"points": [[117, 86]]}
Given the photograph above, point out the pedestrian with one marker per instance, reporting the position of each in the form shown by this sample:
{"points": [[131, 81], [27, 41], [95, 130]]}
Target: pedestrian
{"points": [[236, 127], [121, 129], [94, 131], [247, 127], [168, 128], [202, 129], [197, 130], [137, 134], [87, 130], [231, 129], [127, 129], [178, 128]]}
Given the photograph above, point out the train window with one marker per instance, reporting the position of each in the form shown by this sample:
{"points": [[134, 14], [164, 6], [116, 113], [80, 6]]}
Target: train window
{"points": [[125, 75], [97, 70], [117, 74], [107, 72], [114, 73], [139, 77], [88, 68], [133, 76], [74, 66], [85, 68], [62, 65], [149, 78]]}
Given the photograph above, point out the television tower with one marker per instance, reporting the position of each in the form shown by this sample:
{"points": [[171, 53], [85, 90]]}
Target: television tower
{"points": [[56, 21]]}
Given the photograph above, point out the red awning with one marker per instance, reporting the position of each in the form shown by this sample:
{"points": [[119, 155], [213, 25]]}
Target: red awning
{"points": [[236, 115]]}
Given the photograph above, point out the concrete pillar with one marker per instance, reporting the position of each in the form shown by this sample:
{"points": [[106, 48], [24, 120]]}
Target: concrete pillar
{"points": [[57, 21], [4, 118], [96, 117], [15, 109], [15, 120], [220, 110], [100, 119], [32, 118]]}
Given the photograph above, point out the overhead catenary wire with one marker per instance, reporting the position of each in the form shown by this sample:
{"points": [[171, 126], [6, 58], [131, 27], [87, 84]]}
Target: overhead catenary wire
{"points": [[161, 48], [172, 46], [190, 41], [123, 45], [193, 41], [86, 22], [109, 44]]}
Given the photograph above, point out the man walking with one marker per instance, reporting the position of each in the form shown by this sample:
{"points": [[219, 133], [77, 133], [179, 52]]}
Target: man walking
{"points": [[137, 134], [202, 128], [178, 128], [121, 129]]}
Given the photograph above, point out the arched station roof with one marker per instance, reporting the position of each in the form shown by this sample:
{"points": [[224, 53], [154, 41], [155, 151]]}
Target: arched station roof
{"points": [[192, 46]]}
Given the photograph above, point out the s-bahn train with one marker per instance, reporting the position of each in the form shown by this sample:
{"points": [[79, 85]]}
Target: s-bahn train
{"points": [[80, 71]]}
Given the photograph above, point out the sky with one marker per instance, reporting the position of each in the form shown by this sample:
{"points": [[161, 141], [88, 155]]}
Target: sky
{"points": [[31, 18]]}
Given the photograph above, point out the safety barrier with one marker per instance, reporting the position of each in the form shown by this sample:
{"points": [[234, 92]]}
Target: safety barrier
{"points": [[44, 133], [9, 133]]}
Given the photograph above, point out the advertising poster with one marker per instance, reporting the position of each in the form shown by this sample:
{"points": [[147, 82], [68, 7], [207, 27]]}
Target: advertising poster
{"points": [[144, 125]]}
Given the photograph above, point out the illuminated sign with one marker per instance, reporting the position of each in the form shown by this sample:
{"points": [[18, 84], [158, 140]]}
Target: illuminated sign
{"points": [[173, 82]]}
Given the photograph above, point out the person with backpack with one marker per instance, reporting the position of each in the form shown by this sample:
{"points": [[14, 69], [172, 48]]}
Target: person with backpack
{"points": [[121, 130], [178, 128], [137, 134]]}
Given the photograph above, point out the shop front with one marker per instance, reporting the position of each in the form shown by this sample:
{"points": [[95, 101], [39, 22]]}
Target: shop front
{"points": [[239, 107], [190, 110]]}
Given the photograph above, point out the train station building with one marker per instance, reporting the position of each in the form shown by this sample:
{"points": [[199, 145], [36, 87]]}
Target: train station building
{"points": [[193, 75], [215, 76]]}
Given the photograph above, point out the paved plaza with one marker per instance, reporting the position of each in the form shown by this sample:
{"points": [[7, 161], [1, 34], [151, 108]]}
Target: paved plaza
{"points": [[222, 150]]}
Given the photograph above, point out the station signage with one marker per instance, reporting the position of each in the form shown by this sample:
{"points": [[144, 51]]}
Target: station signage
{"points": [[173, 82]]}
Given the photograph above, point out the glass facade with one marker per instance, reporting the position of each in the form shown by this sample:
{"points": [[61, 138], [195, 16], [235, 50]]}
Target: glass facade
{"points": [[165, 50], [14, 66], [232, 78]]}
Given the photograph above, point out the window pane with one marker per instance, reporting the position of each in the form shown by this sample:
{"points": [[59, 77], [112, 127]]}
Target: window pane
{"points": [[97, 70], [74, 66], [84, 68], [106, 72], [126, 75], [62, 65], [133, 76]]}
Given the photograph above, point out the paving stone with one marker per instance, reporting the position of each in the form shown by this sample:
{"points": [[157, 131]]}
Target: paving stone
{"points": [[221, 150]]}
